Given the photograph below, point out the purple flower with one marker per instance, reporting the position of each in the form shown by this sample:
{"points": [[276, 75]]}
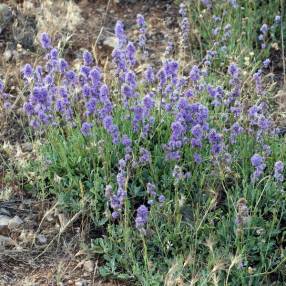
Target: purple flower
{"points": [[278, 171], [227, 31], [27, 71], [148, 102], [195, 73], [127, 93], [233, 70], [151, 189], [140, 20], [185, 29], [197, 131], [54, 53], [45, 41], [177, 174], [142, 33], [87, 58], [91, 106], [149, 74], [177, 130], [115, 215], [86, 128], [161, 199], [215, 140], [111, 128], [233, 3], [119, 60], [95, 76], [126, 141], [71, 76], [63, 65], [183, 10], [138, 117], [257, 160], [258, 163], [162, 77], [264, 29], [130, 79], [141, 218], [120, 34], [277, 19], [207, 3], [266, 63], [257, 77], [28, 108], [145, 156], [261, 37], [169, 49], [1, 86], [197, 158], [131, 53], [236, 130]]}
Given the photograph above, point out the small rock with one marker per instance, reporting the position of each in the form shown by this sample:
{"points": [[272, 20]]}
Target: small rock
{"points": [[88, 266], [110, 42], [4, 222], [5, 241], [14, 223], [27, 147], [6, 16], [80, 283], [7, 55], [4, 211], [42, 239]]}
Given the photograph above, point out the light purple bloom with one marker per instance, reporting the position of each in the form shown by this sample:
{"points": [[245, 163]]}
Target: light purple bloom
{"points": [[151, 189], [195, 73], [1, 86], [141, 218], [277, 19], [278, 171], [161, 199], [266, 63], [45, 41], [27, 71], [86, 128], [87, 58], [264, 29], [258, 163]]}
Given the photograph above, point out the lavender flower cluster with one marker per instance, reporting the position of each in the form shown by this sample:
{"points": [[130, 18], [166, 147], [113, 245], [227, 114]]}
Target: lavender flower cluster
{"points": [[60, 95]]}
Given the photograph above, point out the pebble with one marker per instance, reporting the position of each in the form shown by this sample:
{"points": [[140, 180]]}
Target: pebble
{"points": [[88, 266], [14, 223], [5, 241], [7, 55], [27, 147], [110, 42], [80, 283], [4, 211], [4, 222], [6, 16], [42, 239]]}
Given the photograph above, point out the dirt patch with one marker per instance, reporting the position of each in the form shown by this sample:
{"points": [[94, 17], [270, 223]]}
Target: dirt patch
{"points": [[42, 246]]}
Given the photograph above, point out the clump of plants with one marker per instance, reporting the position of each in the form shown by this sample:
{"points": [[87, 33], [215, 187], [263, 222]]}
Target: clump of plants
{"points": [[180, 168]]}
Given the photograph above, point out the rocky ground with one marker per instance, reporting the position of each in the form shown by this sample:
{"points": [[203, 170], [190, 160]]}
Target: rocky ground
{"points": [[39, 245]]}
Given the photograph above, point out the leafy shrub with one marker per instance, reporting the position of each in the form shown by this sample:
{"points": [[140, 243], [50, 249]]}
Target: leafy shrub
{"points": [[181, 169]]}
